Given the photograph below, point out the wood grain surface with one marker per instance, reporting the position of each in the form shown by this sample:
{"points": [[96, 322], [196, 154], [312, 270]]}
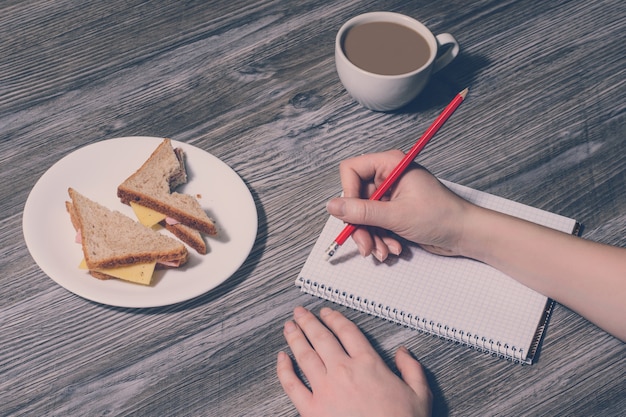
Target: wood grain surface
{"points": [[254, 83]]}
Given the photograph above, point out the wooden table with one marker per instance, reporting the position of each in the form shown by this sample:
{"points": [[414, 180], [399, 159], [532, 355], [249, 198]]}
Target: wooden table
{"points": [[253, 83]]}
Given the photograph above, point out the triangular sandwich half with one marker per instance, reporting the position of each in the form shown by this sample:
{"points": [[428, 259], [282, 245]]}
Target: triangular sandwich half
{"points": [[114, 245], [152, 187]]}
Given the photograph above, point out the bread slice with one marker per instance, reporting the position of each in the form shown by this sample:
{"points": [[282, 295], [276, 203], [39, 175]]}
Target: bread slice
{"points": [[153, 184], [111, 239]]}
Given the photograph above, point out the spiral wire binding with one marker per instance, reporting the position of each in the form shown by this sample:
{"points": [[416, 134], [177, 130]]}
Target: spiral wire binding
{"points": [[481, 344]]}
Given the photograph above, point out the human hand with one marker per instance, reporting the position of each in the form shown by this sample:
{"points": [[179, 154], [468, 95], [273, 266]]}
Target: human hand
{"points": [[418, 207], [346, 375]]}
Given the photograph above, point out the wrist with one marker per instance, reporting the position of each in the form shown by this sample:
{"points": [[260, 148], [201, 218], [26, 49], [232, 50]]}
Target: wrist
{"points": [[476, 233]]}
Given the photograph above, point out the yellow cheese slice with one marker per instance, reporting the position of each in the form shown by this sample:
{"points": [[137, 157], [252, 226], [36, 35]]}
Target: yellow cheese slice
{"points": [[146, 216], [138, 273]]}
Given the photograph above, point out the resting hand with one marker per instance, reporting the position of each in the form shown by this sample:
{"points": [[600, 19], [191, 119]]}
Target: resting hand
{"points": [[346, 375], [418, 207]]}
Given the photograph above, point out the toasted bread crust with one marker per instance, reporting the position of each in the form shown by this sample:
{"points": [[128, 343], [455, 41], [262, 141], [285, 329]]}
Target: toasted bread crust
{"points": [[206, 226], [100, 275], [187, 235]]}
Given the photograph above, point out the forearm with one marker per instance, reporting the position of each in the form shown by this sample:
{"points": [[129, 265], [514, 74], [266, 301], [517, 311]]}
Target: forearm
{"points": [[588, 277]]}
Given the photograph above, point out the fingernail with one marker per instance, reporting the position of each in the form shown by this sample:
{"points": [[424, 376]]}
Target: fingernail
{"points": [[290, 327], [395, 250], [299, 312], [336, 207], [378, 255], [282, 356], [325, 311]]}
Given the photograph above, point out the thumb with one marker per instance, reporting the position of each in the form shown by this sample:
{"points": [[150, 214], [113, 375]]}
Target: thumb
{"points": [[359, 211], [413, 374]]}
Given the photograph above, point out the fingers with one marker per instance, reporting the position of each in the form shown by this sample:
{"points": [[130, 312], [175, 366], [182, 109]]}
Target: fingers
{"points": [[320, 337], [413, 374], [308, 360], [295, 389], [317, 347], [350, 348], [357, 211], [312, 344], [385, 245], [381, 251], [353, 340], [359, 178], [363, 240], [394, 246], [360, 211]]}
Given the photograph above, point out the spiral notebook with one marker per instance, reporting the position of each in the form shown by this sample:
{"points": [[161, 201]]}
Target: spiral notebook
{"points": [[454, 298]]}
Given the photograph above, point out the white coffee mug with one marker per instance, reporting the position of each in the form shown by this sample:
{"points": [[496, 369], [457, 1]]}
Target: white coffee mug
{"points": [[389, 92]]}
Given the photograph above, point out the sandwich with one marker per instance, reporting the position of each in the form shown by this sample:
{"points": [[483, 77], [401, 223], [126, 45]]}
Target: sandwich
{"points": [[150, 191], [116, 246]]}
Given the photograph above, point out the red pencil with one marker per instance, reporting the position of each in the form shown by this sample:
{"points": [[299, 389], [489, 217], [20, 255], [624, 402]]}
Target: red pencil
{"points": [[401, 167]]}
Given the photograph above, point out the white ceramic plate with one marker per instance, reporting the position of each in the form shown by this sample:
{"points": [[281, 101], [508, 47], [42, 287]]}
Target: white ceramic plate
{"points": [[95, 171]]}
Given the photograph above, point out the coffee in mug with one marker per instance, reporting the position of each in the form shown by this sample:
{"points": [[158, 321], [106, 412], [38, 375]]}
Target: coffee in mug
{"points": [[386, 48], [385, 59]]}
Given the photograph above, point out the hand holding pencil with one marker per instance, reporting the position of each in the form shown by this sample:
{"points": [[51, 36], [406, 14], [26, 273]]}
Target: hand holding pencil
{"points": [[400, 168]]}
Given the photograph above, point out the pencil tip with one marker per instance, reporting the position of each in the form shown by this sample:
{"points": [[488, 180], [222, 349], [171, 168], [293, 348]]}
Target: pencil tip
{"points": [[331, 251], [464, 93]]}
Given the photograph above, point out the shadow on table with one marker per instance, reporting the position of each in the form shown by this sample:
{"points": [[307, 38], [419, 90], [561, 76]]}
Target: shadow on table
{"points": [[444, 85]]}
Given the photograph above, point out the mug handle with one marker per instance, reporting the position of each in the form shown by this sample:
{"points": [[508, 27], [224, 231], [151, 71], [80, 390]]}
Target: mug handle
{"points": [[445, 39]]}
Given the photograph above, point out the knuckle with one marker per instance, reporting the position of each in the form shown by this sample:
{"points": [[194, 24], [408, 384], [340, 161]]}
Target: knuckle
{"points": [[344, 371], [396, 153], [358, 210], [308, 356]]}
